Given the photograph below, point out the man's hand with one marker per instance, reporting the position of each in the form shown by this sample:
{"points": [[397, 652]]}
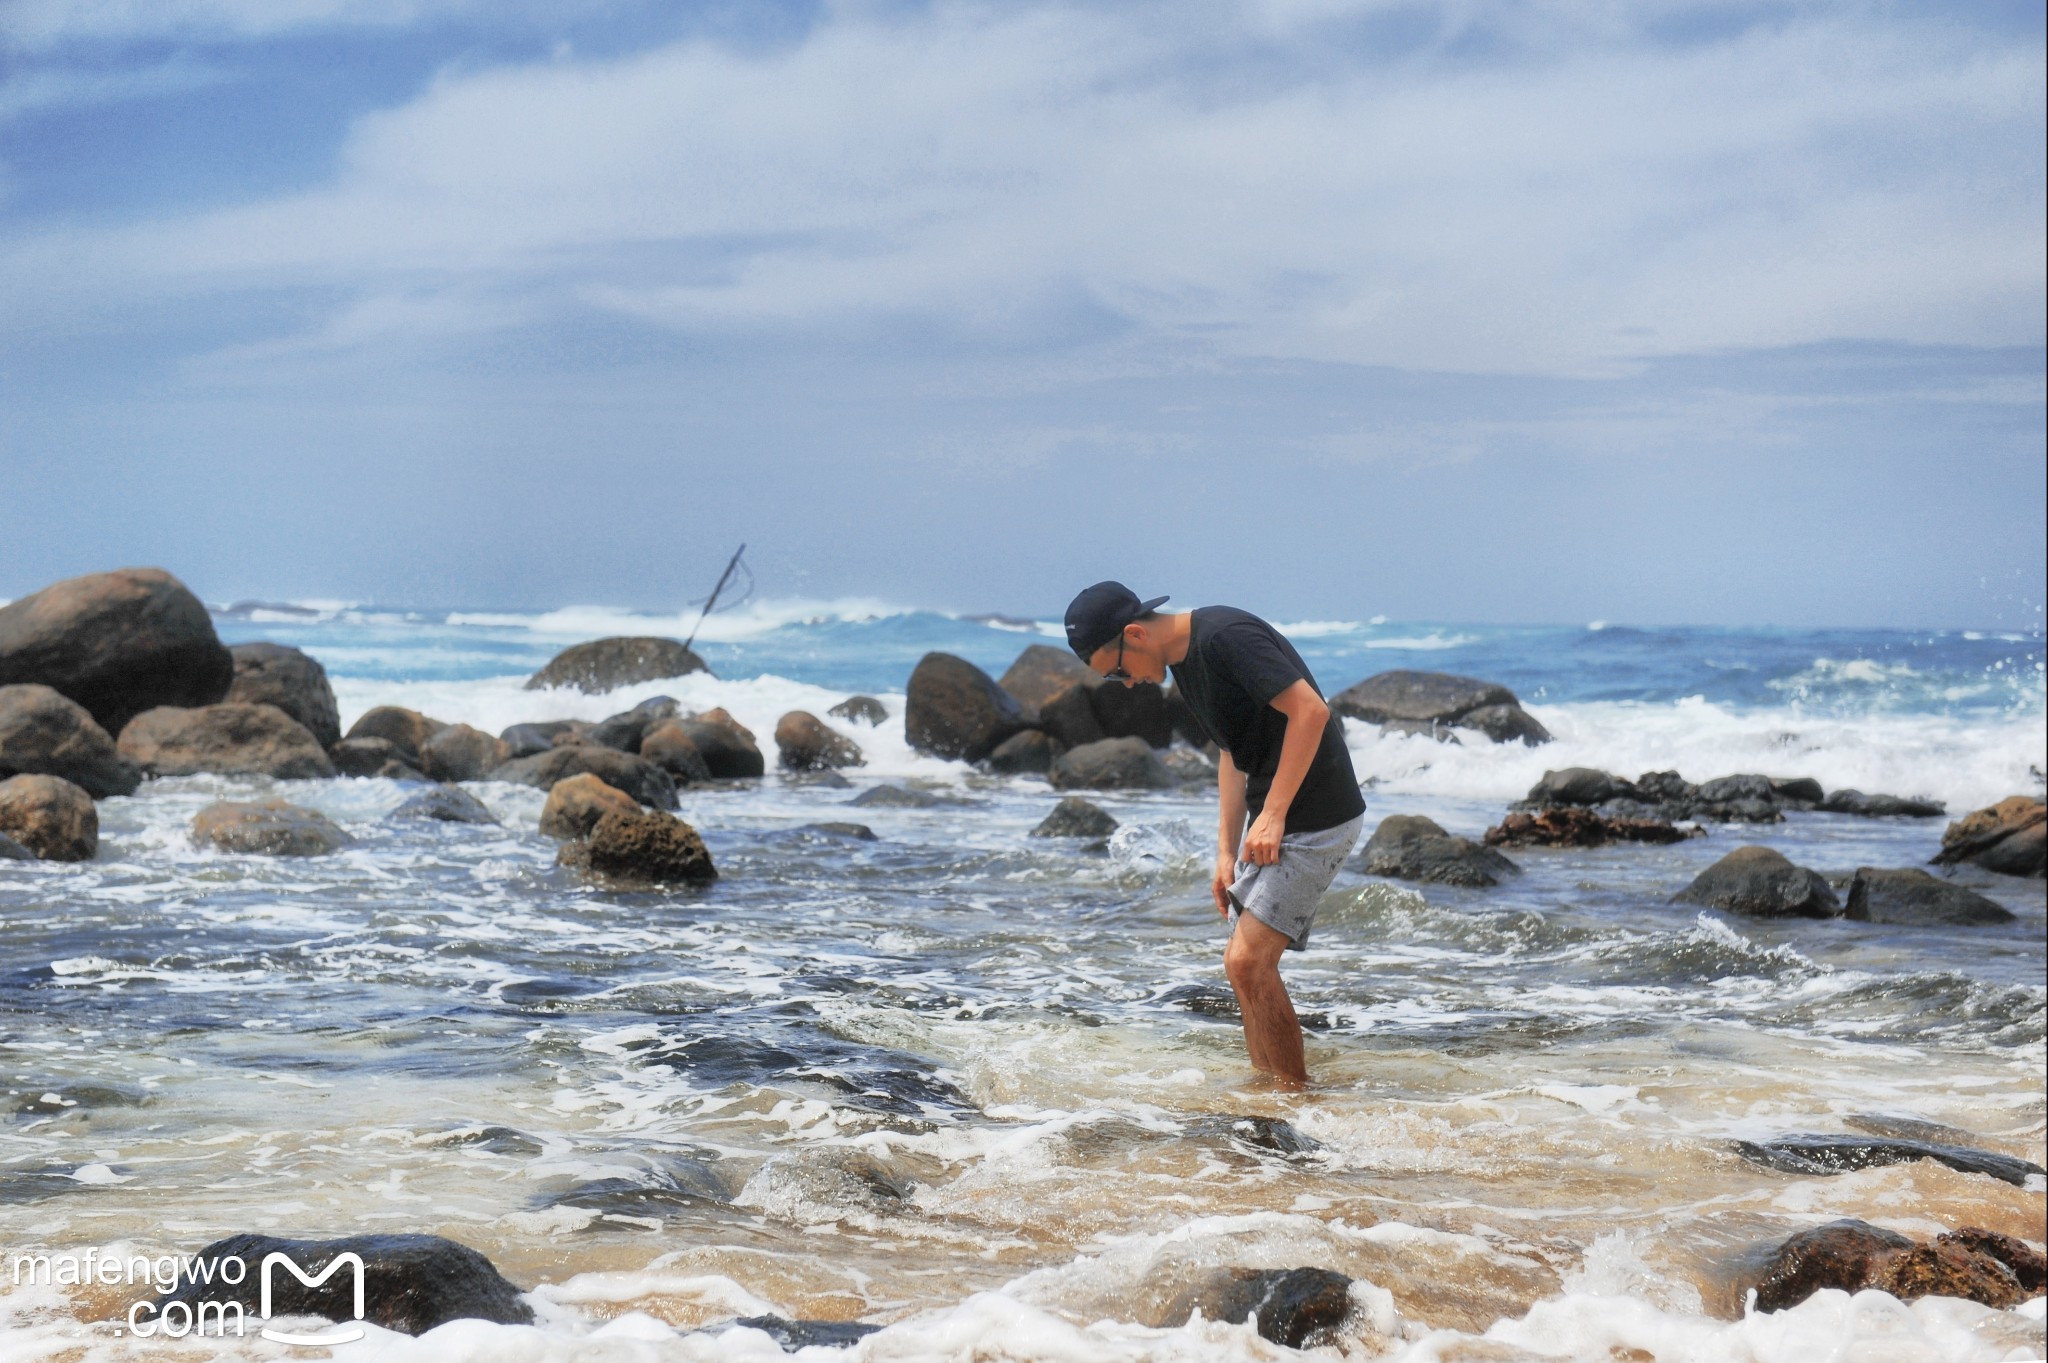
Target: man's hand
{"points": [[1219, 884], [1262, 844]]}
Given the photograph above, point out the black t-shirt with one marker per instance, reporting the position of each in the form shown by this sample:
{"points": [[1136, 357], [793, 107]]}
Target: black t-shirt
{"points": [[1236, 665]]}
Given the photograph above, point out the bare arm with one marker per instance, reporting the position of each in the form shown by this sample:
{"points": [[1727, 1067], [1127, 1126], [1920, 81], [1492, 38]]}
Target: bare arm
{"points": [[1230, 807], [1306, 716]]}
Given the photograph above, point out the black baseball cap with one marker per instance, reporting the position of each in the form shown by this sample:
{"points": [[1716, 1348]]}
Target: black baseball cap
{"points": [[1100, 613]]}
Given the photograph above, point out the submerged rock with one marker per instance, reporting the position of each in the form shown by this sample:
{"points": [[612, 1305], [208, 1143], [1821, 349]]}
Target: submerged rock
{"points": [[1111, 764], [804, 742], [1411, 847], [1760, 881], [445, 804], [272, 674], [1570, 826], [603, 665], [1881, 806], [638, 777], [1273, 1135], [1972, 1263], [267, 828], [860, 710], [1298, 1308], [647, 847], [118, 643], [232, 740], [859, 832], [576, 803], [1031, 752], [50, 817], [1839, 1154], [897, 797], [954, 709], [2010, 837], [461, 753], [1442, 699], [1075, 817], [406, 730], [44, 732], [411, 1283], [1915, 898], [792, 1335], [10, 850]]}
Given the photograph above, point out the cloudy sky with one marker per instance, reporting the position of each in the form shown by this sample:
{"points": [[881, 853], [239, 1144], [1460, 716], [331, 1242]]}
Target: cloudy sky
{"points": [[1453, 309]]}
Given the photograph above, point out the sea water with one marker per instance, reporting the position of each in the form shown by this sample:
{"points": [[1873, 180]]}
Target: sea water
{"points": [[979, 1087]]}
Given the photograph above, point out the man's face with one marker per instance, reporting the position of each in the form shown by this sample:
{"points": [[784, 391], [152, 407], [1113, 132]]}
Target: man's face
{"points": [[1129, 658]]}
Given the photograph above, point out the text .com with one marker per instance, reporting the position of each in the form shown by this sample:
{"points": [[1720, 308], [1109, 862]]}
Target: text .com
{"points": [[179, 1316]]}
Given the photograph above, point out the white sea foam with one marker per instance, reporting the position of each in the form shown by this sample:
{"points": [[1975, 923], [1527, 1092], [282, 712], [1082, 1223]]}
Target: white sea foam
{"points": [[571, 624]]}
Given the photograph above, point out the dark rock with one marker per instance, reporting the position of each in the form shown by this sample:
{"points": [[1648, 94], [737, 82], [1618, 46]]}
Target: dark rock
{"points": [[50, 816], [1881, 806], [272, 674], [524, 740], [1577, 786], [411, 1283], [1906, 1128], [671, 748], [1189, 765], [860, 710], [2010, 837], [1112, 764], [1842, 1255], [576, 803], [638, 777], [269, 828], [1571, 826], [461, 753], [117, 643], [1739, 811], [1799, 790], [1271, 1135], [1730, 789], [1137, 711], [406, 730], [1298, 1308], [232, 740], [447, 804], [43, 732], [1762, 882], [1075, 817], [607, 664], [1030, 752], [1811, 1155], [792, 1335], [1411, 847], [897, 797], [1435, 696], [1069, 717], [10, 850], [1916, 898], [1947, 1268], [1042, 672], [1665, 787], [824, 778], [625, 730], [728, 750], [366, 757], [2026, 1264], [954, 709], [677, 1184], [859, 832], [643, 848], [806, 743]]}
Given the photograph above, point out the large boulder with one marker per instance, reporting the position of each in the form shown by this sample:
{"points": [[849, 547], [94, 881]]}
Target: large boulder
{"points": [[458, 752], [1069, 717], [50, 816], [269, 828], [43, 731], [2010, 837], [410, 1283], [642, 848], [954, 709], [804, 742], [607, 664], [1915, 898], [1137, 711], [407, 730], [117, 643], [1042, 672], [638, 777], [1075, 817], [1031, 752], [1572, 826], [524, 740], [232, 740], [1763, 883], [670, 747], [728, 749], [1111, 764], [272, 674], [1412, 847], [1442, 699], [576, 804]]}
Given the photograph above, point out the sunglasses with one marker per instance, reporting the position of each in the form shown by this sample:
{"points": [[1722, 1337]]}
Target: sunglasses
{"points": [[1117, 673]]}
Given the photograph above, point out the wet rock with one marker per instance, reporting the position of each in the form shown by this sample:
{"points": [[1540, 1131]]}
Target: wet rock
{"points": [[792, 1335], [1571, 826], [956, 710], [642, 848], [1761, 882], [524, 740], [411, 1283], [1042, 672], [1906, 1128], [1461, 702], [728, 750], [1972, 1263], [1913, 897], [898, 797], [272, 674], [860, 710], [1948, 1269], [1133, 712], [1069, 717], [1075, 817], [1577, 786], [627, 729], [671, 748], [2027, 1265], [677, 1184], [1812, 1155], [607, 664], [118, 643], [1031, 752], [1112, 764], [1298, 1308], [232, 740], [1272, 1135], [812, 1185], [1843, 1255], [446, 804], [461, 753], [2010, 837], [859, 832], [10, 850], [1881, 806], [804, 742], [1190, 766], [1411, 847], [1729, 789], [638, 777], [406, 730], [50, 817], [373, 757], [824, 778], [576, 803], [270, 828], [1665, 787], [44, 732], [1800, 791]]}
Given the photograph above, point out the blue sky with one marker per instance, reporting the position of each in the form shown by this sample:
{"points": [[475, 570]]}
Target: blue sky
{"points": [[1459, 310]]}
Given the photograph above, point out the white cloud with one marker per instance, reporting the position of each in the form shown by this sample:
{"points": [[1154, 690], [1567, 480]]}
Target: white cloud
{"points": [[37, 25], [1244, 177]]}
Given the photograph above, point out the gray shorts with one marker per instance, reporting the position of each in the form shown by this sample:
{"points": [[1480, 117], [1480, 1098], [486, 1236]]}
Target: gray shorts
{"points": [[1285, 895]]}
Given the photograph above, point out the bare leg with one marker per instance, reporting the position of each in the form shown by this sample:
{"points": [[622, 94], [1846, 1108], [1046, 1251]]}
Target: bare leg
{"points": [[1272, 1033]]}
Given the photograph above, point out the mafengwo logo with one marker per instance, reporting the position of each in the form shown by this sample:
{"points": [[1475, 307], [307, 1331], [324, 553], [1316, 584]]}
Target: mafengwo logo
{"points": [[211, 1303], [341, 1334]]}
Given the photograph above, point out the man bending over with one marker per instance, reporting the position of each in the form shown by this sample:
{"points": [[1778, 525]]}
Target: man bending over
{"points": [[1282, 766]]}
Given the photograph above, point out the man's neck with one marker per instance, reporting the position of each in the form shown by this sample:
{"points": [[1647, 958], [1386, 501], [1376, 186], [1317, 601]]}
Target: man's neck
{"points": [[1179, 634]]}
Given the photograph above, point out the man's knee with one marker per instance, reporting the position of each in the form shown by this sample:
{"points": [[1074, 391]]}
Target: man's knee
{"points": [[1248, 958]]}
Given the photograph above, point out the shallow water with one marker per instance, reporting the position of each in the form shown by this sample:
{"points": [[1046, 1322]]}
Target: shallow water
{"points": [[984, 1088]]}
